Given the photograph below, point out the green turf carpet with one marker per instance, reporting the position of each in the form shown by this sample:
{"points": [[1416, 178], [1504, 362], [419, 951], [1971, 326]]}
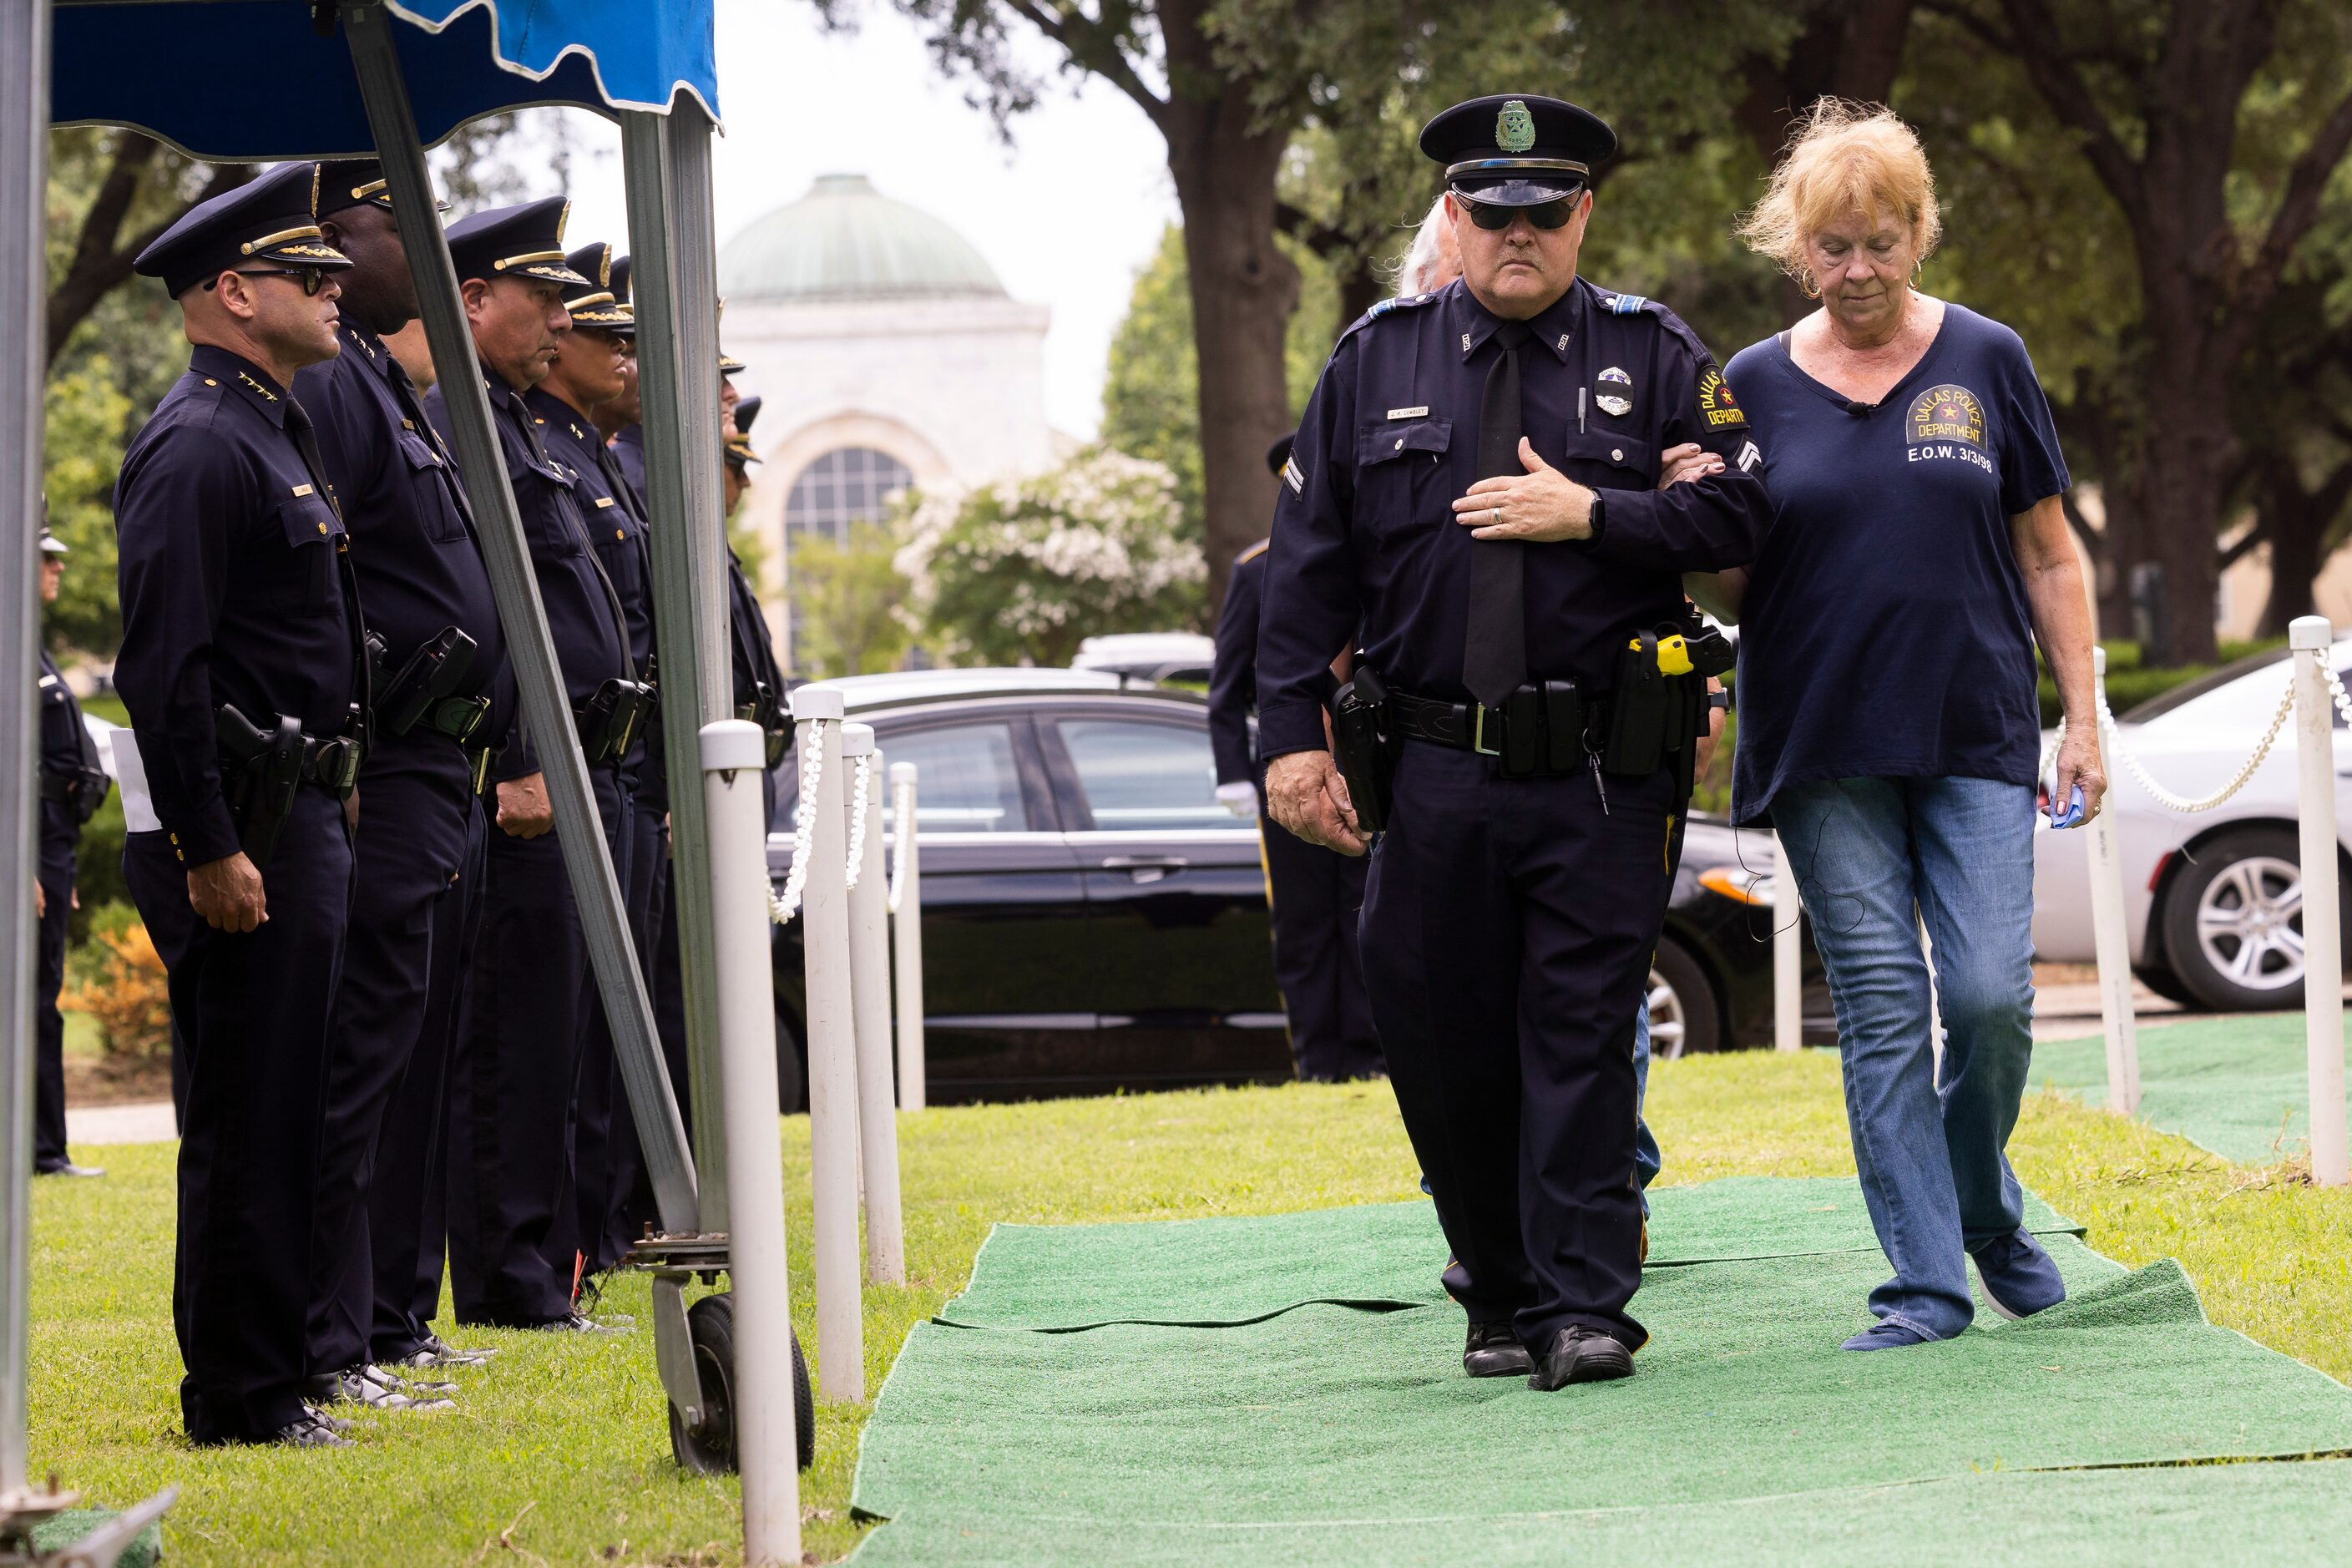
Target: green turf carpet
{"points": [[2238, 1087], [1207, 1272], [1329, 1432]]}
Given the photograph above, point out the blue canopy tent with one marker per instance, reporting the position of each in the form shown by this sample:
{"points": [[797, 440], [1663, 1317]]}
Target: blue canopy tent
{"points": [[259, 80]]}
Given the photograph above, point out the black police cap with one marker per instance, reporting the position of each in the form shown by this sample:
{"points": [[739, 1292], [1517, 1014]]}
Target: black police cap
{"points": [[355, 182], [739, 447], [1518, 150], [594, 304], [271, 221], [1279, 454], [525, 241]]}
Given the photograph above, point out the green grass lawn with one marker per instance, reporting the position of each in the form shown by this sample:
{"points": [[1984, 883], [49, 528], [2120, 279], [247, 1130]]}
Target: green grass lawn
{"points": [[560, 1454]]}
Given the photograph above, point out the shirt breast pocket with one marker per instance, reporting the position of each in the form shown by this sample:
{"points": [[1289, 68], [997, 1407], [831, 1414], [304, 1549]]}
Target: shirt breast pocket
{"points": [[313, 534], [1398, 470], [1605, 460], [430, 481], [544, 494]]}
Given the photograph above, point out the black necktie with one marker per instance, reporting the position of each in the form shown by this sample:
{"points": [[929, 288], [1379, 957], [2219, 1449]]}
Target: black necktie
{"points": [[1494, 649]]}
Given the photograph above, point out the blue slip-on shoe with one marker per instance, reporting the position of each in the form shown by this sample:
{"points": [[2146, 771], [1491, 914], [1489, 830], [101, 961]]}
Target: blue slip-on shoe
{"points": [[1885, 1335], [2018, 1275]]}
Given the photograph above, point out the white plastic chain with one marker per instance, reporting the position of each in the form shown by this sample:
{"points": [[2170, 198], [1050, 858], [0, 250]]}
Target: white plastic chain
{"points": [[858, 819], [2164, 797], [783, 906], [902, 807], [2335, 687]]}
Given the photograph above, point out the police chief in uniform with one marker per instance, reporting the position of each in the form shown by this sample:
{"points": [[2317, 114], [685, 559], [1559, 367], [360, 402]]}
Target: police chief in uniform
{"points": [[511, 1213], [592, 360], [439, 657], [1313, 895], [243, 669], [72, 785], [1470, 497]]}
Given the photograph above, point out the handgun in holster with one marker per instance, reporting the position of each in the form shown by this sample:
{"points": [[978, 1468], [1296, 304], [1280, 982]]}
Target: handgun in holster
{"points": [[1365, 746], [262, 770], [608, 719], [776, 723], [422, 692]]}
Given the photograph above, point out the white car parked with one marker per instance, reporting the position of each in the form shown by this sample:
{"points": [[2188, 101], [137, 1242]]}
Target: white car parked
{"points": [[2214, 899]]}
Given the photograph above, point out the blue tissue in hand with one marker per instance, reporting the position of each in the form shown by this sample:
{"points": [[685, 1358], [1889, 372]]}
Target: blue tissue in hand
{"points": [[2072, 815]]}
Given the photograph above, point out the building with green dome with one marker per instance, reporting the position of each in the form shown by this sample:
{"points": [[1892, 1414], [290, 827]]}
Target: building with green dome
{"points": [[885, 353]]}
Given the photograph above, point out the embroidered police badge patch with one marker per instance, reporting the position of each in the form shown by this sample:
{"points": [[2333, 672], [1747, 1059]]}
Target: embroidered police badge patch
{"points": [[1715, 404], [1612, 389], [1515, 128], [1947, 414]]}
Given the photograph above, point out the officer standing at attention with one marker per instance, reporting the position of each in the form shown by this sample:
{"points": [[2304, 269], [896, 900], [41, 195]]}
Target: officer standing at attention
{"points": [[759, 695], [1470, 498], [73, 786], [1315, 895], [590, 370], [243, 668], [439, 656], [512, 1217]]}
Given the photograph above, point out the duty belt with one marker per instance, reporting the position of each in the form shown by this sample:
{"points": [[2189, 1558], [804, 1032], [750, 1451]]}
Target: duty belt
{"points": [[1541, 729]]}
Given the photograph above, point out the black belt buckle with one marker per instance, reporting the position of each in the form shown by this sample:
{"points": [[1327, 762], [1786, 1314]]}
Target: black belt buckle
{"points": [[1478, 711]]}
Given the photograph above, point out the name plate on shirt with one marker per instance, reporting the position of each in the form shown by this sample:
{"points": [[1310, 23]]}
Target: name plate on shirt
{"points": [[131, 774], [1420, 413]]}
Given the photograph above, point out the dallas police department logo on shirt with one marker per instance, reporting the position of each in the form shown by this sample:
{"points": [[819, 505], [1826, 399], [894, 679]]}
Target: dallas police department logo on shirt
{"points": [[1716, 404], [1947, 424], [1612, 389]]}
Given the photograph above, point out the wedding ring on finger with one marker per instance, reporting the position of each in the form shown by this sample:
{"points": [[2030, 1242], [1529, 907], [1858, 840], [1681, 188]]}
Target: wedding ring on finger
{"points": [[1495, 518]]}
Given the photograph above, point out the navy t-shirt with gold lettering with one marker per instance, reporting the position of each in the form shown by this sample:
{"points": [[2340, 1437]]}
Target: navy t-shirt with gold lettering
{"points": [[1886, 632]]}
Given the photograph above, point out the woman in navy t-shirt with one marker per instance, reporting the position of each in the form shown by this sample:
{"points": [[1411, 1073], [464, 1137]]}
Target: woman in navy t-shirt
{"points": [[1887, 724]]}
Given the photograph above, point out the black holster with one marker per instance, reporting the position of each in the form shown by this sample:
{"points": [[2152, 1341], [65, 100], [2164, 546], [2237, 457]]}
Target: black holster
{"points": [[1655, 715], [608, 720], [1365, 746], [424, 690], [260, 770], [767, 710]]}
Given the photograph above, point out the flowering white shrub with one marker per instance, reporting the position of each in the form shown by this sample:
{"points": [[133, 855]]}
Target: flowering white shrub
{"points": [[1022, 571]]}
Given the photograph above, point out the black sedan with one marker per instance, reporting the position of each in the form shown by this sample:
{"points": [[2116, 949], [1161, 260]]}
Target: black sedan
{"points": [[1094, 921]]}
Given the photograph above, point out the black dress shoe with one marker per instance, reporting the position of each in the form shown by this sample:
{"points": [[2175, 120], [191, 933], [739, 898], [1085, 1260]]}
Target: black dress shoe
{"points": [[573, 1324], [366, 1386], [1494, 1351], [436, 1351], [1581, 1355], [67, 1168], [308, 1430]]}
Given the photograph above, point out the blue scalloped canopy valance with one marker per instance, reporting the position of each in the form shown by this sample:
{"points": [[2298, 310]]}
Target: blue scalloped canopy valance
{"points": [[248, 81]]}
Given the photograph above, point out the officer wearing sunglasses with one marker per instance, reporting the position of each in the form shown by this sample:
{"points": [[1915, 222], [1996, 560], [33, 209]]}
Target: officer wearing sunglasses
{"points": [[1473, 499]]}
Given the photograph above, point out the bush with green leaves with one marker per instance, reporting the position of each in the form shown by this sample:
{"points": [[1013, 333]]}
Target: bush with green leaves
{"points": [[1022, 571]]}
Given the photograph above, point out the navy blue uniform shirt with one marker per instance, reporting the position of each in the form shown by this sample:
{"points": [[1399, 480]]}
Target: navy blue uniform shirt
{"points": [[1233, 677], [629, 449], [67, 754], [412, 539], [232, 592], [590, 637], [1365, 537], [1887, 575]]}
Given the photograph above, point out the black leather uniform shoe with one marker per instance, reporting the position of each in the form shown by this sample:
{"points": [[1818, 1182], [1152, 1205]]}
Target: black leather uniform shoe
{"points": [[366, 1386], [438, 1352], [333, 1423], [1494, 1351], [309, 1431], [70, 1169], [573, 1324], [1581, 1355]]}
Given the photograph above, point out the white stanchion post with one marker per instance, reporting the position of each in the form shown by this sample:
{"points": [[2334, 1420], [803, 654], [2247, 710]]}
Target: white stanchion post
{"points": [[870, 991], [1788, 954], [2312, 638], [2110, 940], [907, 930], [733, 755], [831, 1058]]}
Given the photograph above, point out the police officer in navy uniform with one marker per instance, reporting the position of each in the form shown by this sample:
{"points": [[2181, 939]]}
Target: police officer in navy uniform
{"points": [[439, 658], [759, 695], [512, 1218], [73, 786], [1314, 894], [243, 668], [1470, 498], [592, 358]]}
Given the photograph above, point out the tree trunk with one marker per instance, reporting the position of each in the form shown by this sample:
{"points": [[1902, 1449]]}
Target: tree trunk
{"points": [[1243, 292], [2296, 527]]}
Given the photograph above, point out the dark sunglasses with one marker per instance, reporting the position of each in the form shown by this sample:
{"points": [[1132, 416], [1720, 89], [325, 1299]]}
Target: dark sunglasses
{"points": [[313, 278], [1546, 215]]}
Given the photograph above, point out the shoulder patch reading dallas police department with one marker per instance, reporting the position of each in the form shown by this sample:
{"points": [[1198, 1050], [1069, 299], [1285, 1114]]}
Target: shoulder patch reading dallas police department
{"points": [[1716, 404]]}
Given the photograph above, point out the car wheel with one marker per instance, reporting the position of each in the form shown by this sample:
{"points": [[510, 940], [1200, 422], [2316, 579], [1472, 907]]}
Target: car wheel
{"points": [[2233, 922], [1683, 1016]]}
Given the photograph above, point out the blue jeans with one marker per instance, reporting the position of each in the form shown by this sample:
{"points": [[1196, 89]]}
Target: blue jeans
{"points": [[1868, 853], [1646, 1158]]}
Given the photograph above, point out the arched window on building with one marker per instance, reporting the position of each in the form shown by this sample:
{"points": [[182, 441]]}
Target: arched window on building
{"points": [[849, 484], [846, 486]]}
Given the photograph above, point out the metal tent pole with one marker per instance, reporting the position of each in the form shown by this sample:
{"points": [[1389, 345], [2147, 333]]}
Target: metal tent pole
{"points": [[24, 165], [666, 160], [595, 889]]}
